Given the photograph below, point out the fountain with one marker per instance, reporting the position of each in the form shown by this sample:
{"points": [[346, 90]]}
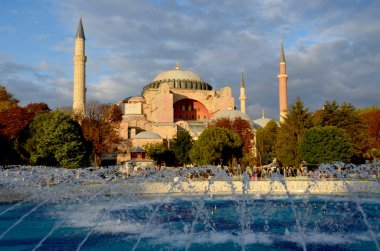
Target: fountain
{"points": [[199, 208]]}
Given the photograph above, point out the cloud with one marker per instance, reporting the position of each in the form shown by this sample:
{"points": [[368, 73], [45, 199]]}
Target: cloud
{"points": [[331, 49], [30, 91], [34, 84], [218, 40], [9, 67]]}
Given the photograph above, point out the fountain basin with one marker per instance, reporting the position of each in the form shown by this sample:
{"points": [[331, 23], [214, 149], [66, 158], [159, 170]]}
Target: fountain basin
{"points": [[57, 209]]}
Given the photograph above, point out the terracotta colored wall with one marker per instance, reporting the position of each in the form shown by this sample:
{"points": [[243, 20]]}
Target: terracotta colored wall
{"points": [[189, 109], [213, 101]]}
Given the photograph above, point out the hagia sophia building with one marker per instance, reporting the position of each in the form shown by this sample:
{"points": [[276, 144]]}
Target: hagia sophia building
{"points": [[175, 99]]}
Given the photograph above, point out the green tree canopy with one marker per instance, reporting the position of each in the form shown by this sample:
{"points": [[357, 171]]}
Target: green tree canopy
{"points": [[325, 145], [181, 146], [290, 133], [266, 142], [57, 140], [239, 126], [216, 146], [346, 117]]}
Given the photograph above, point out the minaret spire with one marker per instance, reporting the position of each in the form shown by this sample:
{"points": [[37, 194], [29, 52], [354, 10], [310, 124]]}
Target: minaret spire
{"points": [[282, 84], [79, 92], [282, 54], [80, 31], [242, 80], [242, 94], [177, 67]]}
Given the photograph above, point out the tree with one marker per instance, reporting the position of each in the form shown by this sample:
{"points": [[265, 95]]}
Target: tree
{"points": [[329, 115], [346, 117], [15, 119], [266, 142], [37, 108], [316, 117], [6, 99], [160, 153], [216, 146], [181, 146], [325, 145], [290, 134], [239, 126], [362, 111], [372, 118], [101, 128], [13, 122], [57, 140]]}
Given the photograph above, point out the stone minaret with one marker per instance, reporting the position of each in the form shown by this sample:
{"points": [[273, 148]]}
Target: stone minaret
{"points": [[79, 92], [282, 83], [242, 94]]}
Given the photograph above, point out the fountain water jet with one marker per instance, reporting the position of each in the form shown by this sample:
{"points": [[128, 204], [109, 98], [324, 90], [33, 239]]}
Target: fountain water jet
{"points": [[98, 207]]}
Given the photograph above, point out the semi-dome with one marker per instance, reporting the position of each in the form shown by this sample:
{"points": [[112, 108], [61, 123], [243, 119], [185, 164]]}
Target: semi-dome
{"points": [[178, 78], [147, 135], [232, 115]]}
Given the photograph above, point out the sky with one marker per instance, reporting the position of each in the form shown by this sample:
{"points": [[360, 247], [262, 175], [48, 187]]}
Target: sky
{"points": [[332, 48]]}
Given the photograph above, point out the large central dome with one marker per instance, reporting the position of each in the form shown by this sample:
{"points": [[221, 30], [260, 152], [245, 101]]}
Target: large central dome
{"points": [[178, 74], [178, 78]]}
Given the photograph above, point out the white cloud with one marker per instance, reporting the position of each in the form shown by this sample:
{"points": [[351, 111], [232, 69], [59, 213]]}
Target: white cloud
{"points": [[331, 48]]}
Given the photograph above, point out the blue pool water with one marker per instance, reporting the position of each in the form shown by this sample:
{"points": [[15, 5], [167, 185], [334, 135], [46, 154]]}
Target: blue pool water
{"points": [[245, 222]]}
